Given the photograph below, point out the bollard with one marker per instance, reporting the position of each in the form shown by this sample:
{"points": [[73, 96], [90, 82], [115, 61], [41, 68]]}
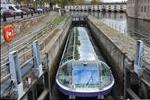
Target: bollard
{"points": [[37, 59], [139, 58], [16, 77]]}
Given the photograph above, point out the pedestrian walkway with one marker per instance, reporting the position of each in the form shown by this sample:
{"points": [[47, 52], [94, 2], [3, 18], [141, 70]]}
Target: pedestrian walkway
{"points": [[25, 35]]}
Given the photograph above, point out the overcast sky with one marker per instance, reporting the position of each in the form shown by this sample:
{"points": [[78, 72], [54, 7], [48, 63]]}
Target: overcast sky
{"points": [[110, 0], [113, 0]]}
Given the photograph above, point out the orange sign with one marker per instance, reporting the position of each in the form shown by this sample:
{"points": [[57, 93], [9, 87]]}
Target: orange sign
{"points": [[8, 33]]}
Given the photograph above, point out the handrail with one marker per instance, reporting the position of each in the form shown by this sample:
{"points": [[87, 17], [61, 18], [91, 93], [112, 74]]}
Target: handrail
{"points": [[26, 46]]}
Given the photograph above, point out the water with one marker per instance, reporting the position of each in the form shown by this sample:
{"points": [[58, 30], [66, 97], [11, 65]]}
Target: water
{"points": [[136, 28], [57, 95]]}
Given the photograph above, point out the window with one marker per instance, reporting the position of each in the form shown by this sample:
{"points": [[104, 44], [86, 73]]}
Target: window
{"points": [[121, 7], [142, 9], [10, 7]]}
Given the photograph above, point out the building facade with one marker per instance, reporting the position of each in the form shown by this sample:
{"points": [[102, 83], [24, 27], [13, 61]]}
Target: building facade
{"points": [[138, 9], [114, 7], [6, 1]]}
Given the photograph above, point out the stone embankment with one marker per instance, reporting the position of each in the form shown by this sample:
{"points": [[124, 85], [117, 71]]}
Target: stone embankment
{"points": [[119, 50], [25, 26], [52, 44]]}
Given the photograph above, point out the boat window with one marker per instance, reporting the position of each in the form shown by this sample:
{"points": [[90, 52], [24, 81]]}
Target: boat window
{"points": [[65, 74]]}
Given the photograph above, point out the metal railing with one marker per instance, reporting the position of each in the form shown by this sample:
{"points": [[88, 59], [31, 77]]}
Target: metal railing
{"points": [[4, 18], [26, 57]]}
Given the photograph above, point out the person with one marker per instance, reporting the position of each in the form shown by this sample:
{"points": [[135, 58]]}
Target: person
{"points": [[4, 18]]}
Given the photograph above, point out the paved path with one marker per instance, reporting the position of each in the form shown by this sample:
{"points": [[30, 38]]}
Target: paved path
{"points": [[17, 18], [24, 36]]}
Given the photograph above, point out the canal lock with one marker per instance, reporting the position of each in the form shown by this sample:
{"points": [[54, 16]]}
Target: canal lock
{"points": [[55, 93]]}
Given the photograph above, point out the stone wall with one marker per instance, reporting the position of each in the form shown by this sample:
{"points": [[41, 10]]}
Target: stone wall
{"points": [[54, 48], [52, 43], [23, 25], [115, 41], [118, 49]]}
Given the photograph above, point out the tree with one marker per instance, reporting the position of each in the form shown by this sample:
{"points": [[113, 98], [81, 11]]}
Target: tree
{"points": [[62, 3], [94, 2], [80, 1], [73, 2]]}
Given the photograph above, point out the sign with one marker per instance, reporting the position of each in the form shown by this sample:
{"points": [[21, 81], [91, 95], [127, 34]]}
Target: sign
{"points": [[8, 33]]}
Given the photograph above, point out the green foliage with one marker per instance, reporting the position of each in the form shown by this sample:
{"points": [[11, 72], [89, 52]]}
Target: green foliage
{"points": [[80, 1], [62, 3], [104, 72], [57, 20], [73, 2], [94, 2]]}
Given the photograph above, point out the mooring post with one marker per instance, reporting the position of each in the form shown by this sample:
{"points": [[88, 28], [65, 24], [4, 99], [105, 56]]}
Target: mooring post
{"points": [[49, 85], [139, 58], [125, 75], [37, 59], [16, 77], [46, 75]]}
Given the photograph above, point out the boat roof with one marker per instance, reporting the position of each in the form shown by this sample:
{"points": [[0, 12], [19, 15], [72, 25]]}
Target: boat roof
{"points": [[80, 69], [79, 46]]}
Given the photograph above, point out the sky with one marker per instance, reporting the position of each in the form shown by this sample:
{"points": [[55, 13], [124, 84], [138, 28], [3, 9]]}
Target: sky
{"points": [[111, 0]]}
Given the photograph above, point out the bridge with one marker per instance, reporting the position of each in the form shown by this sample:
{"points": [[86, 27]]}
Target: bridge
{"points": [[105, 7]]}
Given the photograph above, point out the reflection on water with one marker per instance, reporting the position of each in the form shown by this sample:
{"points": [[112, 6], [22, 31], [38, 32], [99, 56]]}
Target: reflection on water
{"points": [[138, 29]]}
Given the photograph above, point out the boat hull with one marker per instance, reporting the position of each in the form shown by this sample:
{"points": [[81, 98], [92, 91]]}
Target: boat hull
{"points": [[84, 94]]}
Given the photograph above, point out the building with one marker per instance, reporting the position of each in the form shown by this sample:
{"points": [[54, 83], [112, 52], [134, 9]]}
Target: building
{"points": [[108, 7], [6, 1], [138, 9]]}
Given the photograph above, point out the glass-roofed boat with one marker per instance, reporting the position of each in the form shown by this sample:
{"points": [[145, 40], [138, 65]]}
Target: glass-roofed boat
{"points": [[80, 72]]}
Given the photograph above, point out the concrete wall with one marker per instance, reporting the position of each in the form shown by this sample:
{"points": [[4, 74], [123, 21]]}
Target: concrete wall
{"points": [[23, 25], [52, 44], [121, 43], [54, 47], [112, 54], [118, 49]]}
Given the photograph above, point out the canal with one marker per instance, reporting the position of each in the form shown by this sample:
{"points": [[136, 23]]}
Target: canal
{"points": [[57, 95], [138, 29]]}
